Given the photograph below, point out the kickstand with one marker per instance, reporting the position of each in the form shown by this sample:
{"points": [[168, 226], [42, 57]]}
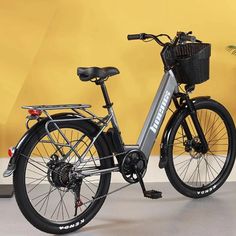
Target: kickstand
{"points": [[153, 194]]}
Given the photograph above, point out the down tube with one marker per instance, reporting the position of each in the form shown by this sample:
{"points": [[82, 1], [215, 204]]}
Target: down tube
{"points": [[157, 113]]}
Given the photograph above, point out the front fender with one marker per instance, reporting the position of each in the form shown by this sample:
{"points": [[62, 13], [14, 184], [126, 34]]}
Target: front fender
{"points": [[168, 129], [12, 165]]}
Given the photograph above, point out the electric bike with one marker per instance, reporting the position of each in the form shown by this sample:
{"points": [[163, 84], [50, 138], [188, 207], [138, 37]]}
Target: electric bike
{"points": [[62, 165]]}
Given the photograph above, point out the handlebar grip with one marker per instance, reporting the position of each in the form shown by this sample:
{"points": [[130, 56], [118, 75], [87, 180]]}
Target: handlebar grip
{"points": [[136, 36]]}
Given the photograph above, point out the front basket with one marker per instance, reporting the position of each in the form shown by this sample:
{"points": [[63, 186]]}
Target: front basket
{"points": [[190, 62]]}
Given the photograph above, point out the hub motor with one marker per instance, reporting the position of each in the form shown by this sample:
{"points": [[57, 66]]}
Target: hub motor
{"points": [[59, 172]]}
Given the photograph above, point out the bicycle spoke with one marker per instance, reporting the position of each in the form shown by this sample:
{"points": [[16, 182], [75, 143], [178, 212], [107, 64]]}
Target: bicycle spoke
{"points": [[216, 156], [50, 191], [187, 168], [35, 181], [89, 181], [57, 206], [179, 155], [194, 172], [36, 185], [89, 187]]}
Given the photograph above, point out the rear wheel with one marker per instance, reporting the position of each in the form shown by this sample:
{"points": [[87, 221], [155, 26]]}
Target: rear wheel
{"points": [[47, 190], [191, 172]]}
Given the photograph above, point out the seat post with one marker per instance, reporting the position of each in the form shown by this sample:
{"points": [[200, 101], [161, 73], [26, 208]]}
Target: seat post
{"points": [[106, 96], [116, 134]]}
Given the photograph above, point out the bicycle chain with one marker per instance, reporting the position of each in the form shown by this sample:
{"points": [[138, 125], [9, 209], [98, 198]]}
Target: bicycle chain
{"points": [[105, 195]]}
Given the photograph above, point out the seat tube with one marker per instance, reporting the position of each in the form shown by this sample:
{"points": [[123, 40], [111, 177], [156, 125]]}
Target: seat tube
{"points": [[117, 134], [113, 119]]}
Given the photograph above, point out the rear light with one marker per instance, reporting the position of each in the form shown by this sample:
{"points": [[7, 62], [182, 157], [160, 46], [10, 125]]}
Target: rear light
{"points": [[11, 151], [34, 112]]}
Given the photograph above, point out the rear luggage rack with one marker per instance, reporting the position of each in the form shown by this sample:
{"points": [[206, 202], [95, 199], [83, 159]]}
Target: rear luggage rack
{"points": [[57, 107], [80, 110], [80, 113]]}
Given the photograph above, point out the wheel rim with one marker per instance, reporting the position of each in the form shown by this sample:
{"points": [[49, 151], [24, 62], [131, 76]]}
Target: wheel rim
{"points": [[195, 169]]}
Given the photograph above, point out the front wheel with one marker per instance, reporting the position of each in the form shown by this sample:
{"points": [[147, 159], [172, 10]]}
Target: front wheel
{"points": [[191, 172]]}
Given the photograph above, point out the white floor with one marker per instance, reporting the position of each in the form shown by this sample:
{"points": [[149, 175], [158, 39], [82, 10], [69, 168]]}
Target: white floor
{"points": [[128, 213]]}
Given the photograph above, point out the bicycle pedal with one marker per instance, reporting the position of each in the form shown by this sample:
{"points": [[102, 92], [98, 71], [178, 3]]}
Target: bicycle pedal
{"points": [[153, 194]]}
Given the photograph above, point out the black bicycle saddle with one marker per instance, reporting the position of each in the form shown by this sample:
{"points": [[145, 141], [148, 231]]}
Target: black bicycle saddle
{"points": [[89, 73]]}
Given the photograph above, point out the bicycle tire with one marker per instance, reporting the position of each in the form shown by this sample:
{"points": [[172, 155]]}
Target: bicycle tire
{"points": [[22, 198], [173, 172]]}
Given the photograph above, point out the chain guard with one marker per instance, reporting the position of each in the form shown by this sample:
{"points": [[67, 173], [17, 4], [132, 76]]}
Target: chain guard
{"points": [[134, 160]]}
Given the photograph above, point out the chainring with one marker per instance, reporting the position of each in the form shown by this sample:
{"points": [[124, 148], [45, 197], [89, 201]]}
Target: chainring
{"points": [[134, 160]]}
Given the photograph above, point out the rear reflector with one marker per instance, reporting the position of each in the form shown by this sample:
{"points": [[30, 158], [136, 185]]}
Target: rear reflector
{"points": [[11, 151], [34, 112]]}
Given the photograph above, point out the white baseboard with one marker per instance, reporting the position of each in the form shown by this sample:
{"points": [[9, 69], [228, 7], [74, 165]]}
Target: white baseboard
{"points": [[154, 174]]}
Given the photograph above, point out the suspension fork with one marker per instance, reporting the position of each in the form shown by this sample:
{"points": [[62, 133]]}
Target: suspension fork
{"points": [[194, 118], [184, 124]]}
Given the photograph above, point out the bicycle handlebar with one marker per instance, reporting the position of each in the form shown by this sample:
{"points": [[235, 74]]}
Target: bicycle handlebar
{"points": [[134, 36], [143, 36], [181, 37]]}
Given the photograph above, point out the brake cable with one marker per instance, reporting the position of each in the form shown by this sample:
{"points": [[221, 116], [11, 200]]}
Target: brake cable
{"points": [[165, 35], [157, 37]]}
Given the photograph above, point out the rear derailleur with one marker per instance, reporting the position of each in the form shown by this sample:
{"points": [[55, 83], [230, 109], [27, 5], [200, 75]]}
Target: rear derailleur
{"points": [[133, 169], [76, 190], [60, 175]]}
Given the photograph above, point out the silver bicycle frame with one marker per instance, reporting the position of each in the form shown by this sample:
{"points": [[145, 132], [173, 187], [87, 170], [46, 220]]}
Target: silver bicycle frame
{"points": [[154, 120], [149, 132], [157, 112]]}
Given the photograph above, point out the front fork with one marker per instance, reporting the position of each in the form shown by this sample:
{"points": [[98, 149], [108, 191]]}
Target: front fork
{"points": [[194, 118]]}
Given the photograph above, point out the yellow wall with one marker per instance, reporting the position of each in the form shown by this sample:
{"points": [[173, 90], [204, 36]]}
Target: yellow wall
{"points": [[42, 43]]}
